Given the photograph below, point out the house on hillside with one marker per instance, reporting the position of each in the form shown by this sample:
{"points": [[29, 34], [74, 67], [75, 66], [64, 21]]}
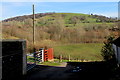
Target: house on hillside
{"points": [[116, 47]]}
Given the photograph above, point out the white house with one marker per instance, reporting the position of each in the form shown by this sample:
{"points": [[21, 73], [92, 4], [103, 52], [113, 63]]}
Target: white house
{"points": [[116, 47]]}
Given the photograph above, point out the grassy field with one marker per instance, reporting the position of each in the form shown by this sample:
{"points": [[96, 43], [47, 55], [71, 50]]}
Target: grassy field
{"points": [[77, 52], [81, 51], [88, 51]]}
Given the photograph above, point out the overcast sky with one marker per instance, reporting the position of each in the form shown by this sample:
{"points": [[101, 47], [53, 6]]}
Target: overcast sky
{"points": [[14, 8]]}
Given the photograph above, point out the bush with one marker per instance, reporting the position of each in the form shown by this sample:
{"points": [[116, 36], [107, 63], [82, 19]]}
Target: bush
{"points": [[107, 50]]}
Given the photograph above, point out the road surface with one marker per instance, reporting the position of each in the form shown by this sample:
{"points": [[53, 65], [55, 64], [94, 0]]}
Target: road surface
{"points": [[71, 71]]}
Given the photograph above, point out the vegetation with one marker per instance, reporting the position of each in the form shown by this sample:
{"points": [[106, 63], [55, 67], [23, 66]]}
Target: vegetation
{"points": [[56, 29], [50, 63], [30, 59], [107, 50], [82, 51]]}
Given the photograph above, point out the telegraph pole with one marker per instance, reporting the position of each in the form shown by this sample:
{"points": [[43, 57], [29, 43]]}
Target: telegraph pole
{"points": [[34, 33], [33, 28]]}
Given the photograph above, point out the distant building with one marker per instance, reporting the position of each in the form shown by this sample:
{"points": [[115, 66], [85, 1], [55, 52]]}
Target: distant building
{"points": [[116, 47]]}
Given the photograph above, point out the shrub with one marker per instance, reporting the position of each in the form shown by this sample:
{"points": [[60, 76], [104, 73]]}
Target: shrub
{"points": [[107, 50]]}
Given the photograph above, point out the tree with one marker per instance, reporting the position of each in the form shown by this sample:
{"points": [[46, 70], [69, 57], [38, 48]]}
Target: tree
{"points": [[74, 20], [56, 28], [107, 50]]}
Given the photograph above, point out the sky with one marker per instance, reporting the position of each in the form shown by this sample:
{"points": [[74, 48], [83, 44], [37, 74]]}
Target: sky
{"points": [[59, 0], [12, 9]]}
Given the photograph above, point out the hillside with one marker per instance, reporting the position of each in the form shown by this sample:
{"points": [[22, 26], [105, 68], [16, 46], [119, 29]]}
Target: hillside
{"points": [[59, 28], [22, 18], [67, 16]]}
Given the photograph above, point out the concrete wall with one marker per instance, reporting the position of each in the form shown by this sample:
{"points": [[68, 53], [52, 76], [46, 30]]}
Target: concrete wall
{"points": [[117, 53], [13, 58], [119, 17], [0, 60], [115, 49]]}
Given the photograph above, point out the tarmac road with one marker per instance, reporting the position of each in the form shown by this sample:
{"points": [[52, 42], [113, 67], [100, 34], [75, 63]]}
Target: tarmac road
{"points": [[71, 71]]}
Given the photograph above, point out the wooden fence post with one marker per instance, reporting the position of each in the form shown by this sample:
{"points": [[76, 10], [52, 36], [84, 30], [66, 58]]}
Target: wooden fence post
{"points": [[61, 58], [69, 57]]}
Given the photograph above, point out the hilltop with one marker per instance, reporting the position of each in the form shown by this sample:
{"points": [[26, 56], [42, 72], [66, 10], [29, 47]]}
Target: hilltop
{"points": [[66, 16], [22, 18]]}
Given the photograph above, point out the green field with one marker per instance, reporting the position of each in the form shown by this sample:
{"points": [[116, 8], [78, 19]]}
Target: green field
{"points": [[77, 52], [86, 51]]}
